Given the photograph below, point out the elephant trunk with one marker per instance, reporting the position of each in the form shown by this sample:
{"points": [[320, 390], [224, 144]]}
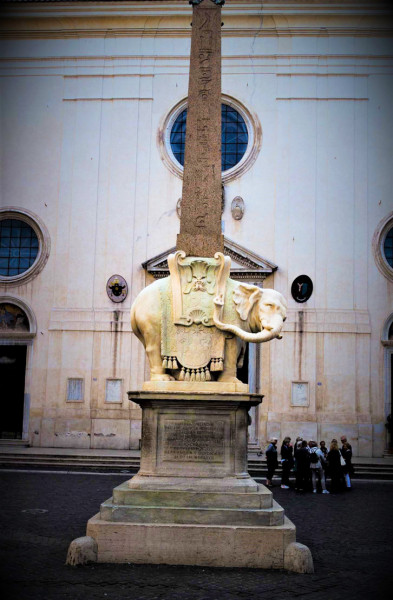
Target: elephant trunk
{"points": [[262, 336]]}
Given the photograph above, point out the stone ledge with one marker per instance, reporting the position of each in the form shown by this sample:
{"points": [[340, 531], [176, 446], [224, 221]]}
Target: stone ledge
{"points": [[195, 386], [185, 515], [123, 495]]}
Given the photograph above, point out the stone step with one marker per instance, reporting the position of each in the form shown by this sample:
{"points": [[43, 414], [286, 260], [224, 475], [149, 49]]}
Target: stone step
{"points": [[14, 443], [121, 460], [59, 461], [90, 462], [123, 495], [192, 516]]}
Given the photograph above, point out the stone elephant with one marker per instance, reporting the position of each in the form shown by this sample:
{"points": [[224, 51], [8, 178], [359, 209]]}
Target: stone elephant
{"points": [[247, 313]]}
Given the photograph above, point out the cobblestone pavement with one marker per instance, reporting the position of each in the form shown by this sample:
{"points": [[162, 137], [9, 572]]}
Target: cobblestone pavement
{"points": [[350, 536]]}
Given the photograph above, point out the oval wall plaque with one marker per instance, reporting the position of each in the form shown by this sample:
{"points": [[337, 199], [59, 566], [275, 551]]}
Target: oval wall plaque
{"points": [[302, 288], [237, 208], [117, 288]]}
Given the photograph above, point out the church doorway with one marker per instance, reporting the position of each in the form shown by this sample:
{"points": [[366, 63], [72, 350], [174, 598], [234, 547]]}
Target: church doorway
{"points": [[12, 377], [387, 341], [17, 331]]}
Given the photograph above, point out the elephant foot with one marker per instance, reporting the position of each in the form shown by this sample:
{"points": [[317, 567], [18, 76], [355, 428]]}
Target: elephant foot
{"points": [[161, 377], [228, 379]]}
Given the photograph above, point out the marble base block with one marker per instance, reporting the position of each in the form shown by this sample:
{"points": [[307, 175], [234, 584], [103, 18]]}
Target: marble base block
{"points": [[261, 547], [192, 501]]}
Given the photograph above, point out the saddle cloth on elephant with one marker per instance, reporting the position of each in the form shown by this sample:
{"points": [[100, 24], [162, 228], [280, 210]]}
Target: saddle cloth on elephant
{"points": [[196, 347]]}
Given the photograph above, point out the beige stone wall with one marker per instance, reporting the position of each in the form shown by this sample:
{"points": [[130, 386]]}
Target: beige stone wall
{"points": [[82, 114]]}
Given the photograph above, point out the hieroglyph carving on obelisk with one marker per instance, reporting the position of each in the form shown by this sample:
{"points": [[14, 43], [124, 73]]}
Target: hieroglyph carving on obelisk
{"points": [[200, 224]]}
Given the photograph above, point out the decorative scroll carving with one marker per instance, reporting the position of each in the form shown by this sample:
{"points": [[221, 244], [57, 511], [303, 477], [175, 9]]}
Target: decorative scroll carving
{"points": [[187, 316], [193, 283]]}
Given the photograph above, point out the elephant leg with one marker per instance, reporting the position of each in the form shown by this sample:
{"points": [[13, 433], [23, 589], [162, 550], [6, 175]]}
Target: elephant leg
{"points": [[230, 361], [157, 371]]}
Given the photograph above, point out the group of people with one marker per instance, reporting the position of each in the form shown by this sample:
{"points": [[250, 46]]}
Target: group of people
{"points": [[311, 464]]}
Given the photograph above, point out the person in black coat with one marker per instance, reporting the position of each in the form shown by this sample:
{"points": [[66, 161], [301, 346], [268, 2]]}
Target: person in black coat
{"points": [[302, 456], [335, 468], [346, 453], [286, 462], [271, 459]]}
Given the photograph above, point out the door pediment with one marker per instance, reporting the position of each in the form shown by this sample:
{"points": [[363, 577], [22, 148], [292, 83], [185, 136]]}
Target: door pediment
{"points": [[245, 264]]}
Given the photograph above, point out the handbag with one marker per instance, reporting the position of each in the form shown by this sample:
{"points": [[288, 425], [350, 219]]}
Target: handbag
{"points": [[342, 461]]}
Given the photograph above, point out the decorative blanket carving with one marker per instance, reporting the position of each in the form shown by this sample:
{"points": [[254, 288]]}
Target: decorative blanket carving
{"points": [[187, 315]]}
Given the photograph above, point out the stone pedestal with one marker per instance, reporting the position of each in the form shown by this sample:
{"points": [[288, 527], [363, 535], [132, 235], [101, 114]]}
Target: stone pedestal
{"points": [[193, 502]]}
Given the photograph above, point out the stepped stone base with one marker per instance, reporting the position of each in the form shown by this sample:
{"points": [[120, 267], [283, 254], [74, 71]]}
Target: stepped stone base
{"points": [[192, 501], [260, 547]]}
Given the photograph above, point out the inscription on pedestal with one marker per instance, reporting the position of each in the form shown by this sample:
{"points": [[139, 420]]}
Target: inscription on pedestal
{"points": [[193, 441]]}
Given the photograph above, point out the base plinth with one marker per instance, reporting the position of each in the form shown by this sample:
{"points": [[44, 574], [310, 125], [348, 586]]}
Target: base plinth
{"points": [[260, 547], [192, 501]]}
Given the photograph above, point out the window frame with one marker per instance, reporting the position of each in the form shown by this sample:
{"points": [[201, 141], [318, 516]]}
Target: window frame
{"points": [[111, 402], [384, 226], [253, 146], [81, 379], [21, 214]]}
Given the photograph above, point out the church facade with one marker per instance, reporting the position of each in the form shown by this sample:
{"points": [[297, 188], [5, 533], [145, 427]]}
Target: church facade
{"points": [[93, 109]]}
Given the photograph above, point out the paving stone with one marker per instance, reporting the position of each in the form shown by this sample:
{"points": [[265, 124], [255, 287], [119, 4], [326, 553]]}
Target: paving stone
{"points": [[349, 535]]}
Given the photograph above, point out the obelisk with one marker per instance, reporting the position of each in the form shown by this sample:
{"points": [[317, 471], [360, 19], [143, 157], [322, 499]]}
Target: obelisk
{"points": [[200, 223]]}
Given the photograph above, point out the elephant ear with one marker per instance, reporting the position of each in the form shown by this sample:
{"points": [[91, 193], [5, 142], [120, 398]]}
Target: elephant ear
{"points": [[245, 296]]}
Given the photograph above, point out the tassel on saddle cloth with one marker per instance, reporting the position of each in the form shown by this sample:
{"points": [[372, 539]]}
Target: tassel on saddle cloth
{"points": [[195, 350]]}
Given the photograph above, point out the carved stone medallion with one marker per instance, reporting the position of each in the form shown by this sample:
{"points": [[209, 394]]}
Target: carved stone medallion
{"points": [[117, 288], [237, 208]]}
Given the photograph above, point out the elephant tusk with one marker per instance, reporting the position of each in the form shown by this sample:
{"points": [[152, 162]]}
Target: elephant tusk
{"points": [[255, 338]]}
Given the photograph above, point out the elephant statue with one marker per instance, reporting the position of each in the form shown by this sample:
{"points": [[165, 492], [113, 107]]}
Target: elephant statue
{"points": [[244, 313]]}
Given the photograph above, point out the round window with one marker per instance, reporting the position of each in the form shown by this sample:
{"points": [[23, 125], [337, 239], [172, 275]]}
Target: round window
{"points": [[240, 141], [382, 245], [234, 137], [18, 247], [24, 245], [388, 247]]}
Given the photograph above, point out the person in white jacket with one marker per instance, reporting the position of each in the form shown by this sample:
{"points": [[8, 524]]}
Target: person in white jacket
{"points": [[317, 460]]}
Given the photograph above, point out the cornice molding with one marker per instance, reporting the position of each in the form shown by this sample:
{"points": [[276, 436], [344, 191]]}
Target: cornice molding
{"points": [[159, 7], [242, 18]]}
